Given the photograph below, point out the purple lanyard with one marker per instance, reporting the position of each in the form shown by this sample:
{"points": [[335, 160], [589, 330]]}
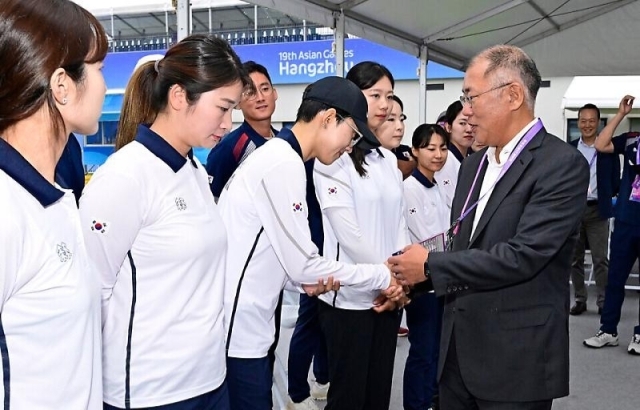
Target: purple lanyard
{"points": [[526, 139], [593, 158]]}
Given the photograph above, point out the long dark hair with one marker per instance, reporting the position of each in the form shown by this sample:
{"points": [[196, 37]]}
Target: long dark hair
{"points": [[198, 63], [36, 38], [365, 75]]}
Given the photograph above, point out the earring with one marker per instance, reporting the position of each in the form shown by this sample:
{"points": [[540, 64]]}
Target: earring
{"points": [[64, 101]]}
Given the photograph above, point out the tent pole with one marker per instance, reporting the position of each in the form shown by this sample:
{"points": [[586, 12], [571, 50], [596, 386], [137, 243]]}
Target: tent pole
{"points": [[183, 13], [339, 42], [422, 72]]}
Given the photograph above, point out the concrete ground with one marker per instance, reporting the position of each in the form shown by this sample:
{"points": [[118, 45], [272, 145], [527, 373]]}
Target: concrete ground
{"points": [[600, 379]]}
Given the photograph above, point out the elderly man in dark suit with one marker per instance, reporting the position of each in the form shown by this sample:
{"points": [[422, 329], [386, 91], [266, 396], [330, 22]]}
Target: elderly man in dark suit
{"points": [[505, 336]]}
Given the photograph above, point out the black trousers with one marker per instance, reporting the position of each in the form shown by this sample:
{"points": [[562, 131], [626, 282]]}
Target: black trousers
{"points": [[455, 396], [361, 348]]}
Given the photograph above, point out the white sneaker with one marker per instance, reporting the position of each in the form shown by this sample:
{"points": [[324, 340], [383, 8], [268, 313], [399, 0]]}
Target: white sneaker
{"points": [[634, 346], [602, 339], [307, 404], [319, 391]]}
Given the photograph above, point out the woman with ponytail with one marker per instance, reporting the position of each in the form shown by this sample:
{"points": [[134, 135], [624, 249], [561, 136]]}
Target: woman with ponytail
{"points": [[156, 236]]}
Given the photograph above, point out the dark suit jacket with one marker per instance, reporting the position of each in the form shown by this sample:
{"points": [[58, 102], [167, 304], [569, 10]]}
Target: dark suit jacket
{"points": [[608, 177], [506, 289]]}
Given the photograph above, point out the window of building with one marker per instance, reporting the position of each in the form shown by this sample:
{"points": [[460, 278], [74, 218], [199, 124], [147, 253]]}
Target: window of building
{"points": [[106, 134]]}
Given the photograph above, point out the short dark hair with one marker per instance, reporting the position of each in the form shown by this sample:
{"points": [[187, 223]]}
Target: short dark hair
{"points": [[453, 110], [422, 135], [589, 107], [37, 38], [309, 109], [253, 67]]}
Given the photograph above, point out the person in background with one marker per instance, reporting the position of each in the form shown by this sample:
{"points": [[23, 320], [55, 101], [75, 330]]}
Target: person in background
{"points": [[156, 235], [461, 132], [265, 204], [604, 182], [517, 211], [427, 216], [625, 239], [51, 86], [476, 146], [363, 218], [442, 119], [257, 105], [390, 135]]}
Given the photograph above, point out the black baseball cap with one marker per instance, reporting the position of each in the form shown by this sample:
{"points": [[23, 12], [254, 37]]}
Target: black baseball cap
{"points": [[343, 95]]}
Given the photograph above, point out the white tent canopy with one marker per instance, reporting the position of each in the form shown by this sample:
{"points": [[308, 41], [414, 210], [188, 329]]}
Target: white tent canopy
{"points": [[564, 37], [605, 92], [102, 8]]}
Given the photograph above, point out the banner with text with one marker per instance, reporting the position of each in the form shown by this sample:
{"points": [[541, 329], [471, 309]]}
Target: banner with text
{"points": [[294, 62]]}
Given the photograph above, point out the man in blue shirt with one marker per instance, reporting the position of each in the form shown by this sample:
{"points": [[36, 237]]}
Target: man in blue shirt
{"points": [[604, 182], [625, 240], [257, 108]]}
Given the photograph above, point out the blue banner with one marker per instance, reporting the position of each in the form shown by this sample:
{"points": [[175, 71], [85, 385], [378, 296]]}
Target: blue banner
{"points": [[306, 62], [297, 62]]}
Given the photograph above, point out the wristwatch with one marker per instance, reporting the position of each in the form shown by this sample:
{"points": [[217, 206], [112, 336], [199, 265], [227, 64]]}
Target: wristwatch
{"points": [[427, 271]]}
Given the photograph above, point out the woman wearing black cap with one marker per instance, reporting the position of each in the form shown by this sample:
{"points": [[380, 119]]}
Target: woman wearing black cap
{"points": [[265, 202], [363, 213]]}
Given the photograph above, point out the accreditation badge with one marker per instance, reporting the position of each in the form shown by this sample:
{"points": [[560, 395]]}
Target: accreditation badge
{"points": [[435, 243], [635, 190]]}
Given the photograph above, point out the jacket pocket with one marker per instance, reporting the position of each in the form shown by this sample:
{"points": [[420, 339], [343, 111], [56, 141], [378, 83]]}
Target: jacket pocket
{"points": [[525, 317]]}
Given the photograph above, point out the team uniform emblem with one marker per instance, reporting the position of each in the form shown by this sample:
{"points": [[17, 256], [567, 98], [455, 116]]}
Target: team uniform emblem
{"points": [[63, 252], [297, 207], [333, 190], [412, 211], [98, 226], [181, 204], [446, 182]]}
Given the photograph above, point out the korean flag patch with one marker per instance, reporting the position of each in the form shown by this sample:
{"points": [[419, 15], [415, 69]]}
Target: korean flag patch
{"points": [[99, 226]]}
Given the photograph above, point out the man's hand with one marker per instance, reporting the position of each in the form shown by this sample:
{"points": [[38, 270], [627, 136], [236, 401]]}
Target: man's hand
{"points": [[322, 287], [626, 105], [408, 267]]}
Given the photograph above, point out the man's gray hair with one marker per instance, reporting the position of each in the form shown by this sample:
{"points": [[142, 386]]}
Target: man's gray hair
{"points": [[505, 61]]}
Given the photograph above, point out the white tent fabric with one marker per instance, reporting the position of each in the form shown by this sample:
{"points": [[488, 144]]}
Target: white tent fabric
{"points": [[605, 92], [564, 37]]}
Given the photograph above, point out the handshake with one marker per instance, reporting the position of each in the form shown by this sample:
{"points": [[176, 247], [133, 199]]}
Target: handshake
{"points": [[406, 267]]}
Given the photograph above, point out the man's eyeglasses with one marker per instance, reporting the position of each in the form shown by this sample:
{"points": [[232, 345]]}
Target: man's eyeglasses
{"points": [[468, 99], [356, 139], [251, 95]]}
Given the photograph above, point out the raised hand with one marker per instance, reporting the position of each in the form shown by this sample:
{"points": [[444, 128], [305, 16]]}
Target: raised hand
{"points": [[626, 104]]}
